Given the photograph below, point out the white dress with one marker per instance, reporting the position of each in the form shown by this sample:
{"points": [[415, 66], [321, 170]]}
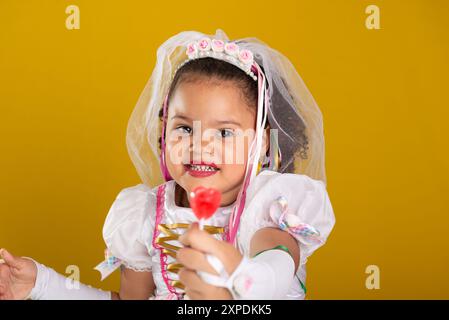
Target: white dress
{"points": [[130, 234]]}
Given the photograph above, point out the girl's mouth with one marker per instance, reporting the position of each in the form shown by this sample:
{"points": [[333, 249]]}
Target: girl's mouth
{"points": [[201, 170]]}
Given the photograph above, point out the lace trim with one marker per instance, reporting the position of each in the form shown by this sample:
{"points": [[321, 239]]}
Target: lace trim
{"points": [[128, 266]]}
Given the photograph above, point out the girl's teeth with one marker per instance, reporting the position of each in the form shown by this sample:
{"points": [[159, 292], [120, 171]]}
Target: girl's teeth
{"points": [[202, 168]]}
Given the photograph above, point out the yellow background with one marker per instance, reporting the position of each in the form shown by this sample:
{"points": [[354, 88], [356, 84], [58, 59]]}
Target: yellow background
{"points": [[66, 96]]}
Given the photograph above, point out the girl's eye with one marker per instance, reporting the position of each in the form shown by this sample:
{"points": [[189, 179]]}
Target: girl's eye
{"points": [[185, 129], [226, 133]]}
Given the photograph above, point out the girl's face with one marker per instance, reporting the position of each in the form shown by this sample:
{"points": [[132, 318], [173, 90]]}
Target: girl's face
{"points": [[209, 131]]}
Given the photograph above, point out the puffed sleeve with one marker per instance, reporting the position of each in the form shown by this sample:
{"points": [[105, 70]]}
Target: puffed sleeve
{"points": [[127, 230], [292, 202]]}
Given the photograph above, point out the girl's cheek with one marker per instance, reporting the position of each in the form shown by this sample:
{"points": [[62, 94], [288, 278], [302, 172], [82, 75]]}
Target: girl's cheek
{"points": [[177, 150], [234, 152]]}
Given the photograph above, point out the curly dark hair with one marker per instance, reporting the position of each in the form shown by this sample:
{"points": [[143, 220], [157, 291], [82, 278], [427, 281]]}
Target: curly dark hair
{"points": [[214, 69]]}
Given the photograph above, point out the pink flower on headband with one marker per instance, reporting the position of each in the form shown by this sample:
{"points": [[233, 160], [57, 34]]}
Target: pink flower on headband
{"points": [[218, 45], [191, 49], [246, 56], [232, 49], [204, 44]]}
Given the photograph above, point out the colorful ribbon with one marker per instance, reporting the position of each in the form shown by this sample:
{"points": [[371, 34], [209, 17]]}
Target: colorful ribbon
{"points": [[292, 224], [109, 265]]}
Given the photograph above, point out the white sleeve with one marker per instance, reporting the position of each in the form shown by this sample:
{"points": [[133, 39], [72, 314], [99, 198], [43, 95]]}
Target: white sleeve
{"points": [[306, 203], [51, 285], [128, 229]]}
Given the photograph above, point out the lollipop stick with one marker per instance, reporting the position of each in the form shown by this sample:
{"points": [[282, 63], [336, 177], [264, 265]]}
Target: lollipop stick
{"points": [[201, 224]]}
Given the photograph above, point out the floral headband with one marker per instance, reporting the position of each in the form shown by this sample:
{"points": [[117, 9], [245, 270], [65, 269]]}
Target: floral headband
{"points": [[219, 49]]}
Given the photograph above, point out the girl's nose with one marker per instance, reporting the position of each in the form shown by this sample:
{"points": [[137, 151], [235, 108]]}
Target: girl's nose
{"points": [[201, 143]]}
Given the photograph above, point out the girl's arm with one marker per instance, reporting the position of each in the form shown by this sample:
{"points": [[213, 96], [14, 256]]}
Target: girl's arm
{"points": [[135, 285], [23, 276], [268, 238], [268, 274]]}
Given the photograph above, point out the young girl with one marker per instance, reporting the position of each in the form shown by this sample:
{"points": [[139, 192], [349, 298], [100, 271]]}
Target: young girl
{"points": [[230, 115]]}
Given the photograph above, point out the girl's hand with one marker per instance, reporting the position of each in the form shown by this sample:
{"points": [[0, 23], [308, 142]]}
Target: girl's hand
{"points": [[198, 243], [17, 276]]}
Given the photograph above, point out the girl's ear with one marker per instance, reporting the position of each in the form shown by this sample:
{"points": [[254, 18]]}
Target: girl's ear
{"points": [[265, 142]]}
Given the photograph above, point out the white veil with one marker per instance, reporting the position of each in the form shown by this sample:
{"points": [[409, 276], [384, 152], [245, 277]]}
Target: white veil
{"points": [[144, 126]]}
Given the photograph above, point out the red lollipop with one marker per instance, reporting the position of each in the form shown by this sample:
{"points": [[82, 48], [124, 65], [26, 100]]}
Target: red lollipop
{"points": [[204, 203]]}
